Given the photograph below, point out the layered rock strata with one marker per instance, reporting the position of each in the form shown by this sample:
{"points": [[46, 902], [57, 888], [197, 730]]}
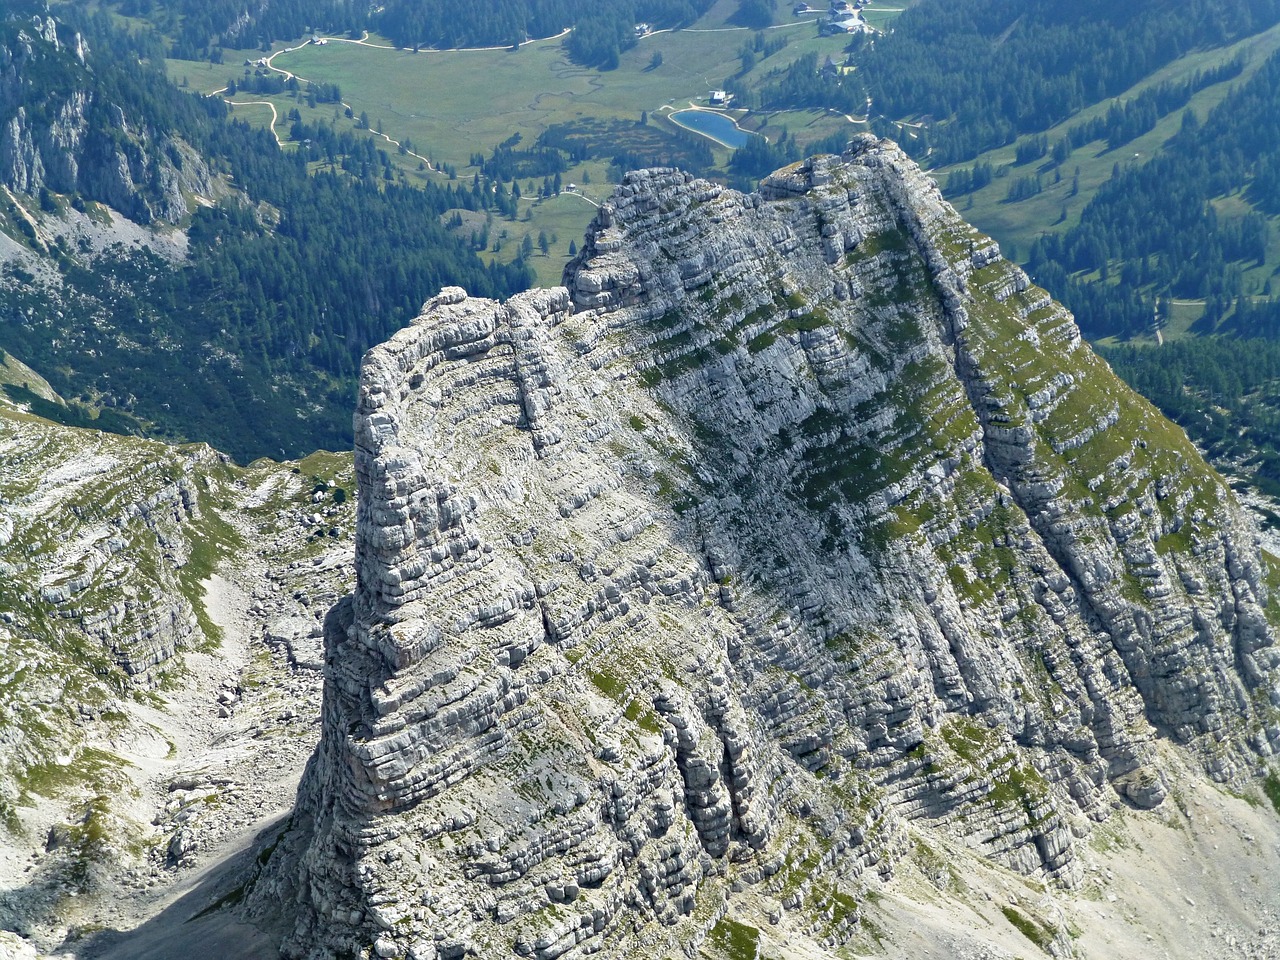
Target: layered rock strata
{"points": [[99, 581], [160, 657], [793, 524]]}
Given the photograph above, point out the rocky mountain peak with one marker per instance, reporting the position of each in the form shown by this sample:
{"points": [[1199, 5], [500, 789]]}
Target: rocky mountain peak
{"points": [[793, 528]]}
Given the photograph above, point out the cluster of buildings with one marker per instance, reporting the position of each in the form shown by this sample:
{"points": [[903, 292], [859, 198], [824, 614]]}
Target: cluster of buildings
{"points": [[842, 16]]}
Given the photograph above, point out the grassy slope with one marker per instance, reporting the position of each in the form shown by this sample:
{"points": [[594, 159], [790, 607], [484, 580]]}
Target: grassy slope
{"points": [[1018, 224], [13, 372], [452, 104]]}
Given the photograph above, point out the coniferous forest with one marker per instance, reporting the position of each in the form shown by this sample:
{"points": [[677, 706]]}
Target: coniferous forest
{"points": [[601, 30], [286, 282], [986, 71], [1154, 229], [977, 74], [199, 27]]}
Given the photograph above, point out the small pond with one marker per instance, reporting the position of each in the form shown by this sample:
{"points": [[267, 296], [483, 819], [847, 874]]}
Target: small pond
{"points": [[714, 125]]}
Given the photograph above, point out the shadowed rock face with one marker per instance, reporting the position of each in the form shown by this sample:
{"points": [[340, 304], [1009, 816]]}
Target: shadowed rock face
{"points": [[791, 520]]}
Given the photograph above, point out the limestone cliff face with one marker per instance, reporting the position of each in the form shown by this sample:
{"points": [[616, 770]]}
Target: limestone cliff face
{"points": [[58, 132], [152, 705], [100, 543], [793, 524]]}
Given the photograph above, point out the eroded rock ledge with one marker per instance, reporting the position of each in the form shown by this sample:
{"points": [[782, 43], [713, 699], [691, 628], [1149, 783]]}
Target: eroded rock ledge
{"points": [[795, 524]]}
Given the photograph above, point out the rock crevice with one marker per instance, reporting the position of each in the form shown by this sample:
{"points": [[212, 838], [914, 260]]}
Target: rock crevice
{"points": [[792, 526]]}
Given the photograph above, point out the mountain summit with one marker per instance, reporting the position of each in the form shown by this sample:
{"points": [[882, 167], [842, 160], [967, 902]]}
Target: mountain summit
{"points": [[796, 531]]}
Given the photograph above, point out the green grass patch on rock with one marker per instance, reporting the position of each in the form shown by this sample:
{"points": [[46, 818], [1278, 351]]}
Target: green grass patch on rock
{"points": [[738, 941], [1039, 934], [1271, 787]]}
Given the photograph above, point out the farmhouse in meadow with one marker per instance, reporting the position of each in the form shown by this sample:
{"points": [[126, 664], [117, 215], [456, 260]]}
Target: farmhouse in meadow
{"points": [[843, 17]]}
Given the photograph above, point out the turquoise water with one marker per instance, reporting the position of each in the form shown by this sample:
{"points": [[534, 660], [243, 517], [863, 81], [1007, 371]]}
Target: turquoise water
{"points": [[714, 125]]}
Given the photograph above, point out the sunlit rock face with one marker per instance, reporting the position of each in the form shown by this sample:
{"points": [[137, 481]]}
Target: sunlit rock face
{"points": [[794, 525], [59, 133]]}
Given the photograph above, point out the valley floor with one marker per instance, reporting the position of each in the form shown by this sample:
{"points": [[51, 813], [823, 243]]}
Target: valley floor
{"points": [[258, 752]]}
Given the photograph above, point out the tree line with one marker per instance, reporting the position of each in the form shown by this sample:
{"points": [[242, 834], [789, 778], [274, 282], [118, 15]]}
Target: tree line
{"points": [[602, 31], [198, 28], [1155, 229], [1128, 120], [984, 72]]}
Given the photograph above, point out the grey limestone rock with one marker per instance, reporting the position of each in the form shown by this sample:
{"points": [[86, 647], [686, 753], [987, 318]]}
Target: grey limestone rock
{"points": [[791, 524], [141, 173]]}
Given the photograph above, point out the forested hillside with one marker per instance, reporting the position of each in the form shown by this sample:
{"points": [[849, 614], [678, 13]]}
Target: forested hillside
{"points": [[985, 71], [199, 27], [1156, 228], [287, 280], [602, 30]]}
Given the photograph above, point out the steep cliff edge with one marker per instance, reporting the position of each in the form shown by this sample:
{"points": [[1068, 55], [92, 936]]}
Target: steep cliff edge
{"points": [[794, 527], [60, 131], [160, 655]]}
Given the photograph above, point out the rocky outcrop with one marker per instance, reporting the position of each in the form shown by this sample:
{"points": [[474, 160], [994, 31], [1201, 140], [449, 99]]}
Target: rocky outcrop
{"points": [[95, 534], [794, 524], [58, 133], [161, 615], [104, 541]]}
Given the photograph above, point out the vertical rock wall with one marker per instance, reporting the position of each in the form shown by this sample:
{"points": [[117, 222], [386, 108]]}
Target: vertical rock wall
{"points": [[792, 519]]}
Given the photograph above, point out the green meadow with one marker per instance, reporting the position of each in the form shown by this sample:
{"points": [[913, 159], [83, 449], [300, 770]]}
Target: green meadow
{"points": [[450, 105], [563, 219], [455, 103], [1017, 224]]}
